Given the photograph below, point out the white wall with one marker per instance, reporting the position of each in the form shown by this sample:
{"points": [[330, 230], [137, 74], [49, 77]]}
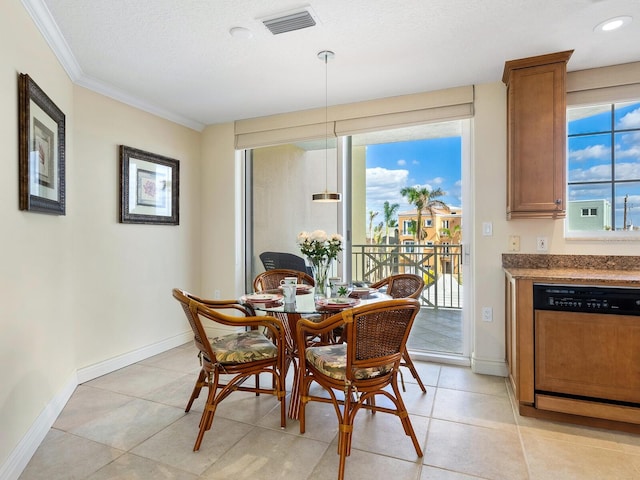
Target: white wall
{"points": [[123, 273], [221, 253], [81, 290], [37, 354]]}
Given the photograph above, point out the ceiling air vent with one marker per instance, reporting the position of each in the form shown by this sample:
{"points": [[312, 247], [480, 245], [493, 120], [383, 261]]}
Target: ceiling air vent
{"points": [[290, 22]]}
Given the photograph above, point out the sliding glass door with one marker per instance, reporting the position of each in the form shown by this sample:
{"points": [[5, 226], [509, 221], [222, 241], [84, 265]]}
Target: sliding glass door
{"points": [[378, 217]]}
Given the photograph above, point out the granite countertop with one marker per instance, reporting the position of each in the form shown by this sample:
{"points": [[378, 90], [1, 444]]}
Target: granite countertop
{"points": [[574, 268]]}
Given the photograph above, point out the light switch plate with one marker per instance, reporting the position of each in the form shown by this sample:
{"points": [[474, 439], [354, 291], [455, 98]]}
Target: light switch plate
{"points": [[487, 229], [542, 244]]}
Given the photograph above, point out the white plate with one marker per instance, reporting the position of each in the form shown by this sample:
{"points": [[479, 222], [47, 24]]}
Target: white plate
{"points": [[262, 297], [338, 302], [300, 287], [362, 291]]}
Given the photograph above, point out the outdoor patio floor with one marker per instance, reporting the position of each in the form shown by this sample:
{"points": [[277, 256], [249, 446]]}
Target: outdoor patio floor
{"points": [[437, 330]]}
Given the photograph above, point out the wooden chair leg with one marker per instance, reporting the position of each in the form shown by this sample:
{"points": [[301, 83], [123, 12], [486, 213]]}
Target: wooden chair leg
{"points": [[403, 414], [345, 433], [196, 389], [409, 364], [207, 415]]}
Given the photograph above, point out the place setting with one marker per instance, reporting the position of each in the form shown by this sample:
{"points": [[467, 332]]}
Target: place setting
{"points": [[264, 299], [336, 303]]}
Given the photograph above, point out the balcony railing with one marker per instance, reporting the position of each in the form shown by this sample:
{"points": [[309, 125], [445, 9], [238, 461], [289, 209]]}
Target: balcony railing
{"points": [[440, 266]]}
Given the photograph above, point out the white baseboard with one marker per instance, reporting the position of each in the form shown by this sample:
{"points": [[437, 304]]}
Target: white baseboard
{"points": [[111, 365], [489, 367], [20, 456], [458, 360]]}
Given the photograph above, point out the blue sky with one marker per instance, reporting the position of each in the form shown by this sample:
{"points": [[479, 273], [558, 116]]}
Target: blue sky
{"points": [[432, 163]]}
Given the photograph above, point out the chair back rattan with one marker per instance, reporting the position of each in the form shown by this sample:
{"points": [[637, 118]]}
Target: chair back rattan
{"points": [[376, 335], [190, 303], [403, 285], [270, 279]]}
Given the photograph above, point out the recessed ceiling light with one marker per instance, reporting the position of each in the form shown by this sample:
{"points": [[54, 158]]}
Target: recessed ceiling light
{"points": [[240, 32], [613, 24]]}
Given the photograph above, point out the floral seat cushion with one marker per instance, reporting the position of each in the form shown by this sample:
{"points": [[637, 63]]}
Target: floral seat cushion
{"points": [[243, 347], [331, 360]]}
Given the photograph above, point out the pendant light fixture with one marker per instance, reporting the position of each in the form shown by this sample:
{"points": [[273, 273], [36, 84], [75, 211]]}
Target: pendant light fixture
{"points": [[326, 196]]}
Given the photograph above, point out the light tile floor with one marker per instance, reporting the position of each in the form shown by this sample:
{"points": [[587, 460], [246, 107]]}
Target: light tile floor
{"points": [[131, 424]]}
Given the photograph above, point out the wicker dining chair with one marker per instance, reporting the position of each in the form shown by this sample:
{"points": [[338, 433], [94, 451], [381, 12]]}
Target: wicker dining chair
{"points": [[259, 348], [270, 279], [404, 285], [353, 373]]}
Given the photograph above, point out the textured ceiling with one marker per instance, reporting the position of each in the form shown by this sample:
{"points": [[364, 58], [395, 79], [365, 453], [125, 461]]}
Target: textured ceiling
{"points": [[177, 59]]}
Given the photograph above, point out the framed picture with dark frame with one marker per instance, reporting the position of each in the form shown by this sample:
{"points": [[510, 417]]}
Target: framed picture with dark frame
{"points": [[41, 150], [149, 188]]}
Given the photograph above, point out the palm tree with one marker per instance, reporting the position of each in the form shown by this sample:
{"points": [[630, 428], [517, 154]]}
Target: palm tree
{"points": [[377, 234], [389, 217], [412, 228], [372, 215], [455, 236], [424, 199]]}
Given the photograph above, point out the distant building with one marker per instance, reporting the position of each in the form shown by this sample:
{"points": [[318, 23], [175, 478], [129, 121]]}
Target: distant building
{"points": [[443, 228], [589, 215]]}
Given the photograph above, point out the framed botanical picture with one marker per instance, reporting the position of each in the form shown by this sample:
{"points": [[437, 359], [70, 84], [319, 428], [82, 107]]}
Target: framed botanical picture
{"points": [[41, 150], [149, 188]]}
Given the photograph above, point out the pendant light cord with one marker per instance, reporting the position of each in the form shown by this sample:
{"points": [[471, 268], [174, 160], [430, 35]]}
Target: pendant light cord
{"points": [[326, 196], [326, 121]]}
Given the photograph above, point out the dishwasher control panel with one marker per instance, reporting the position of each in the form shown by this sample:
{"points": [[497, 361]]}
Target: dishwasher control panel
{"points": [[584, 298]]}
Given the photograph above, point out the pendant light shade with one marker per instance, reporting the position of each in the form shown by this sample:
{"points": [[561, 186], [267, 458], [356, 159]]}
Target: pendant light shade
{"points": [[326, 196]]}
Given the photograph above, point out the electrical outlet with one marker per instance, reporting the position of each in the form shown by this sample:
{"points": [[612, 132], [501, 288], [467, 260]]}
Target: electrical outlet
{"points": [[514, 243], [542, 244], [487, 314], [216, 294]]}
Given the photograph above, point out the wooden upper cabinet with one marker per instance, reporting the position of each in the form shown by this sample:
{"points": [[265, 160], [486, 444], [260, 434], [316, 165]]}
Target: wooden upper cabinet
{"points": [[536, 136]]}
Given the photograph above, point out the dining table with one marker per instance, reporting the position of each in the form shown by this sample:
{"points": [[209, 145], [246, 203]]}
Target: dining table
{"points": [[308, 306]]}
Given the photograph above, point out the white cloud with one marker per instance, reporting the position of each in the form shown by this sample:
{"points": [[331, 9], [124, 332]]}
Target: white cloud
{"points": [[630, 120], [628, 170], [596, 173], [633, 152], [437, 181], [402, 162], [582, 192], [594, 151], [384, 185]]}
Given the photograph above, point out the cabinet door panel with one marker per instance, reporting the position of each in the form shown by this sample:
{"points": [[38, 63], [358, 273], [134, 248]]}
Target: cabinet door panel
{"points": [[588, 354]]}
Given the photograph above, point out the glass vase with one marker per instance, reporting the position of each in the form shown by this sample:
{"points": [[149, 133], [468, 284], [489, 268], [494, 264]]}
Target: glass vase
{"points": [[320, 270]]}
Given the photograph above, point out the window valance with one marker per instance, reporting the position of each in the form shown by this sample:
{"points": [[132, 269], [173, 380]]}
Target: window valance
{"points": [[604, 84], [380, 114]]}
